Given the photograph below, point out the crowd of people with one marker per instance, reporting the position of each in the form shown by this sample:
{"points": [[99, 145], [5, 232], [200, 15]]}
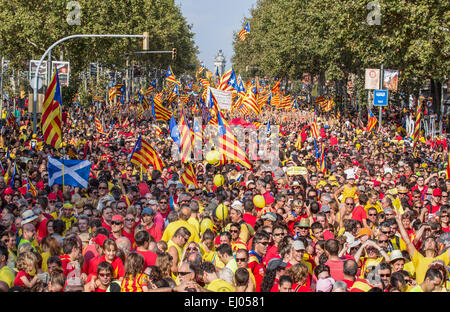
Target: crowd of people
{"points": [[374, 220]]}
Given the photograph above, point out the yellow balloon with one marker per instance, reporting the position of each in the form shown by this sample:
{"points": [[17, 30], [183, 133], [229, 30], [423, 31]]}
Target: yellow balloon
{"points": [[219, 180], [212, 157], [259, 201], [206, 224], [221, 211]]}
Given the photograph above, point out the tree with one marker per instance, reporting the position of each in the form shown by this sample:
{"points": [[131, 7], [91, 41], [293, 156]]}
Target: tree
{"points": [[42, 25]]}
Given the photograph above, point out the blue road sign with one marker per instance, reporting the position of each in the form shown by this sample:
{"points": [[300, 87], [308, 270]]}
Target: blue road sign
{"points": [[380, 97]]}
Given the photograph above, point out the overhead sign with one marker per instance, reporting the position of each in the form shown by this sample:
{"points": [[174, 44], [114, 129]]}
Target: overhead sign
{"points": [[380, 97], [223, 98], [390, 79], [63, 72], [372, 79], [42, 70]]}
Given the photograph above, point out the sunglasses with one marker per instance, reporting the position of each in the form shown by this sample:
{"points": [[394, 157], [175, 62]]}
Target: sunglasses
{"points": [[129, 219], [278, 234], [121, 208], [192, 248], [234, 231], [105, 274], [184, 273], [163, 202], [264, 243], [385, 275], [116, 223], [241, 260], [350, 204], [372, 214], [102, 188], [382, 241], [387, 232]]}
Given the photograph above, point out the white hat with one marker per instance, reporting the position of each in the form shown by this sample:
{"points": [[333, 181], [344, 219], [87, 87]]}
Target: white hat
{"points": [[28, 216], [396, 254]]}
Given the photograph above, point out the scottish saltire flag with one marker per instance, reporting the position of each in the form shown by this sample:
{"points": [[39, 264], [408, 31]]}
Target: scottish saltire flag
{"points": [[244, 31], [71, 172]]}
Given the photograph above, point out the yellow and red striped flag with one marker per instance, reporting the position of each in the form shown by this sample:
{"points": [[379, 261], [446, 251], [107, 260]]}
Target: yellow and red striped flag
{"points": [[448, 167], [171, 77], [188, 177], [372, 121], [244, 31], [276, 87], [99, 126], [159, 111], [186, 139], [250, 101], [315, 130], [144, 154], [223, 85], [229, 147], [416, 134], [51, 113], [298, 144], [275, 100], [31, 188]]}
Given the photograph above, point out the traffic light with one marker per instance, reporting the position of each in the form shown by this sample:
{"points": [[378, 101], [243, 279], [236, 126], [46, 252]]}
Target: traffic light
{"points": [[174, 53], [146, 41]]}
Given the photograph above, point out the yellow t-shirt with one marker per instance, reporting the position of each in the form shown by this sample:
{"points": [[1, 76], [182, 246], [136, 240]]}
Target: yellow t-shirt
{"points": [[7, 275], [208, 255], [194, 222], [348, 192], [421, 264], [416, 289], [174, 226], [367, 263], [220, 285], [45, 256]]}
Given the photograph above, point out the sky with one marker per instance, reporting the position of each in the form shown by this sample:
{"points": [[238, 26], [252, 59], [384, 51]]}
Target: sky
{"points": [[213, 24]]}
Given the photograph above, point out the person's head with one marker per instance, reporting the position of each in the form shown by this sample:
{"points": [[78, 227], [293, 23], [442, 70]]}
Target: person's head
{"points": [[71, 248], [27, 262], [384, 271], [285, 283], [29, 231], [224, 252], [225, 238], [279, 231], [134, 265], [54, 264], [56, 282], [433, 280], [181, 236], [339, 286], [241, 277], [164, 262], [208, 272], [317, 230], [124, 244], [349, 204], [51, 244], [235, 231], [322, 271], [109, 249], [105, 273], [397, 261], [298, 273], [242, 258], [332, 247], [298, 249], [350, 269], [260, 242]]}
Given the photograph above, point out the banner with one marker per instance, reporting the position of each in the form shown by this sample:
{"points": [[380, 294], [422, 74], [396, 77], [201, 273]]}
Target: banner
{"points": [[390, 79], [372, 79], [223, 98], [63, 72]]}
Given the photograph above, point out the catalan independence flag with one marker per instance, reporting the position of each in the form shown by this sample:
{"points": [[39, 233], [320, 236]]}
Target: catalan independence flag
{"points": [[372, 121], [223, 84], [159, 111], [187, 139], [171, 77], [188, 177], [298, 143], [315, 130], [323, 167], [244, 31], [51, 113], [250, 101], [416, 133], [144, 154], [99, 126], [31, 188]]}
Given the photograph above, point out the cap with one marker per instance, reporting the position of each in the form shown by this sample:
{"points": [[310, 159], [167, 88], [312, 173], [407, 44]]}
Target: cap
{"points": [[390, 210], [248, 182], [402, 189], [180, 186], [304, 222], [153, 202], [236, 205], [364, 231], [396, 254], [148, 211], [295, 183], [276, 263], [437, 192], [183, 197], [332, 179], [324, 284], [9, 191], [171, 182], [100, 239], [298, 245], [67, 205], [28, 216], [325, 208], [117, 218], [377, 183], [269, 216], [52, 196]]}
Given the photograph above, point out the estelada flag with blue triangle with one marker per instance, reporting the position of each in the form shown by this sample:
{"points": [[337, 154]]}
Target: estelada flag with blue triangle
{"points": [[171, 77]]}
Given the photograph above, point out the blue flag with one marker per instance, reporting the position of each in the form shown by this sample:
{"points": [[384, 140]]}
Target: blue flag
{"points": [[71, 172], [233, 81], [14, 173], [174, 132], [222, 129]]}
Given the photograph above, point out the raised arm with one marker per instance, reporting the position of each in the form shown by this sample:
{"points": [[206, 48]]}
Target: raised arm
{"points": [[411, 248]]}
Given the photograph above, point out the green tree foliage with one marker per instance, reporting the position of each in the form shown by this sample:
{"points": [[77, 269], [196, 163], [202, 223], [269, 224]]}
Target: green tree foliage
{"points": [[29, 27], [292, 37]]}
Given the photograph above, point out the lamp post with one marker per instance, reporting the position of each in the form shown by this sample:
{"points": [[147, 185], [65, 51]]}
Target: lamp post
{"points": [[35, 89]]}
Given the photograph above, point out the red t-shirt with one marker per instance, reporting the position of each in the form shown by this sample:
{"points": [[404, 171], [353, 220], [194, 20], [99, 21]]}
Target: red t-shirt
{"points": [[41, 230], [117, 264], [130, 236], [155, 232], [18, 281], [258, 271], [336, 269], [271, 253], [359, 214], [149, 256], [249, 218]]}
